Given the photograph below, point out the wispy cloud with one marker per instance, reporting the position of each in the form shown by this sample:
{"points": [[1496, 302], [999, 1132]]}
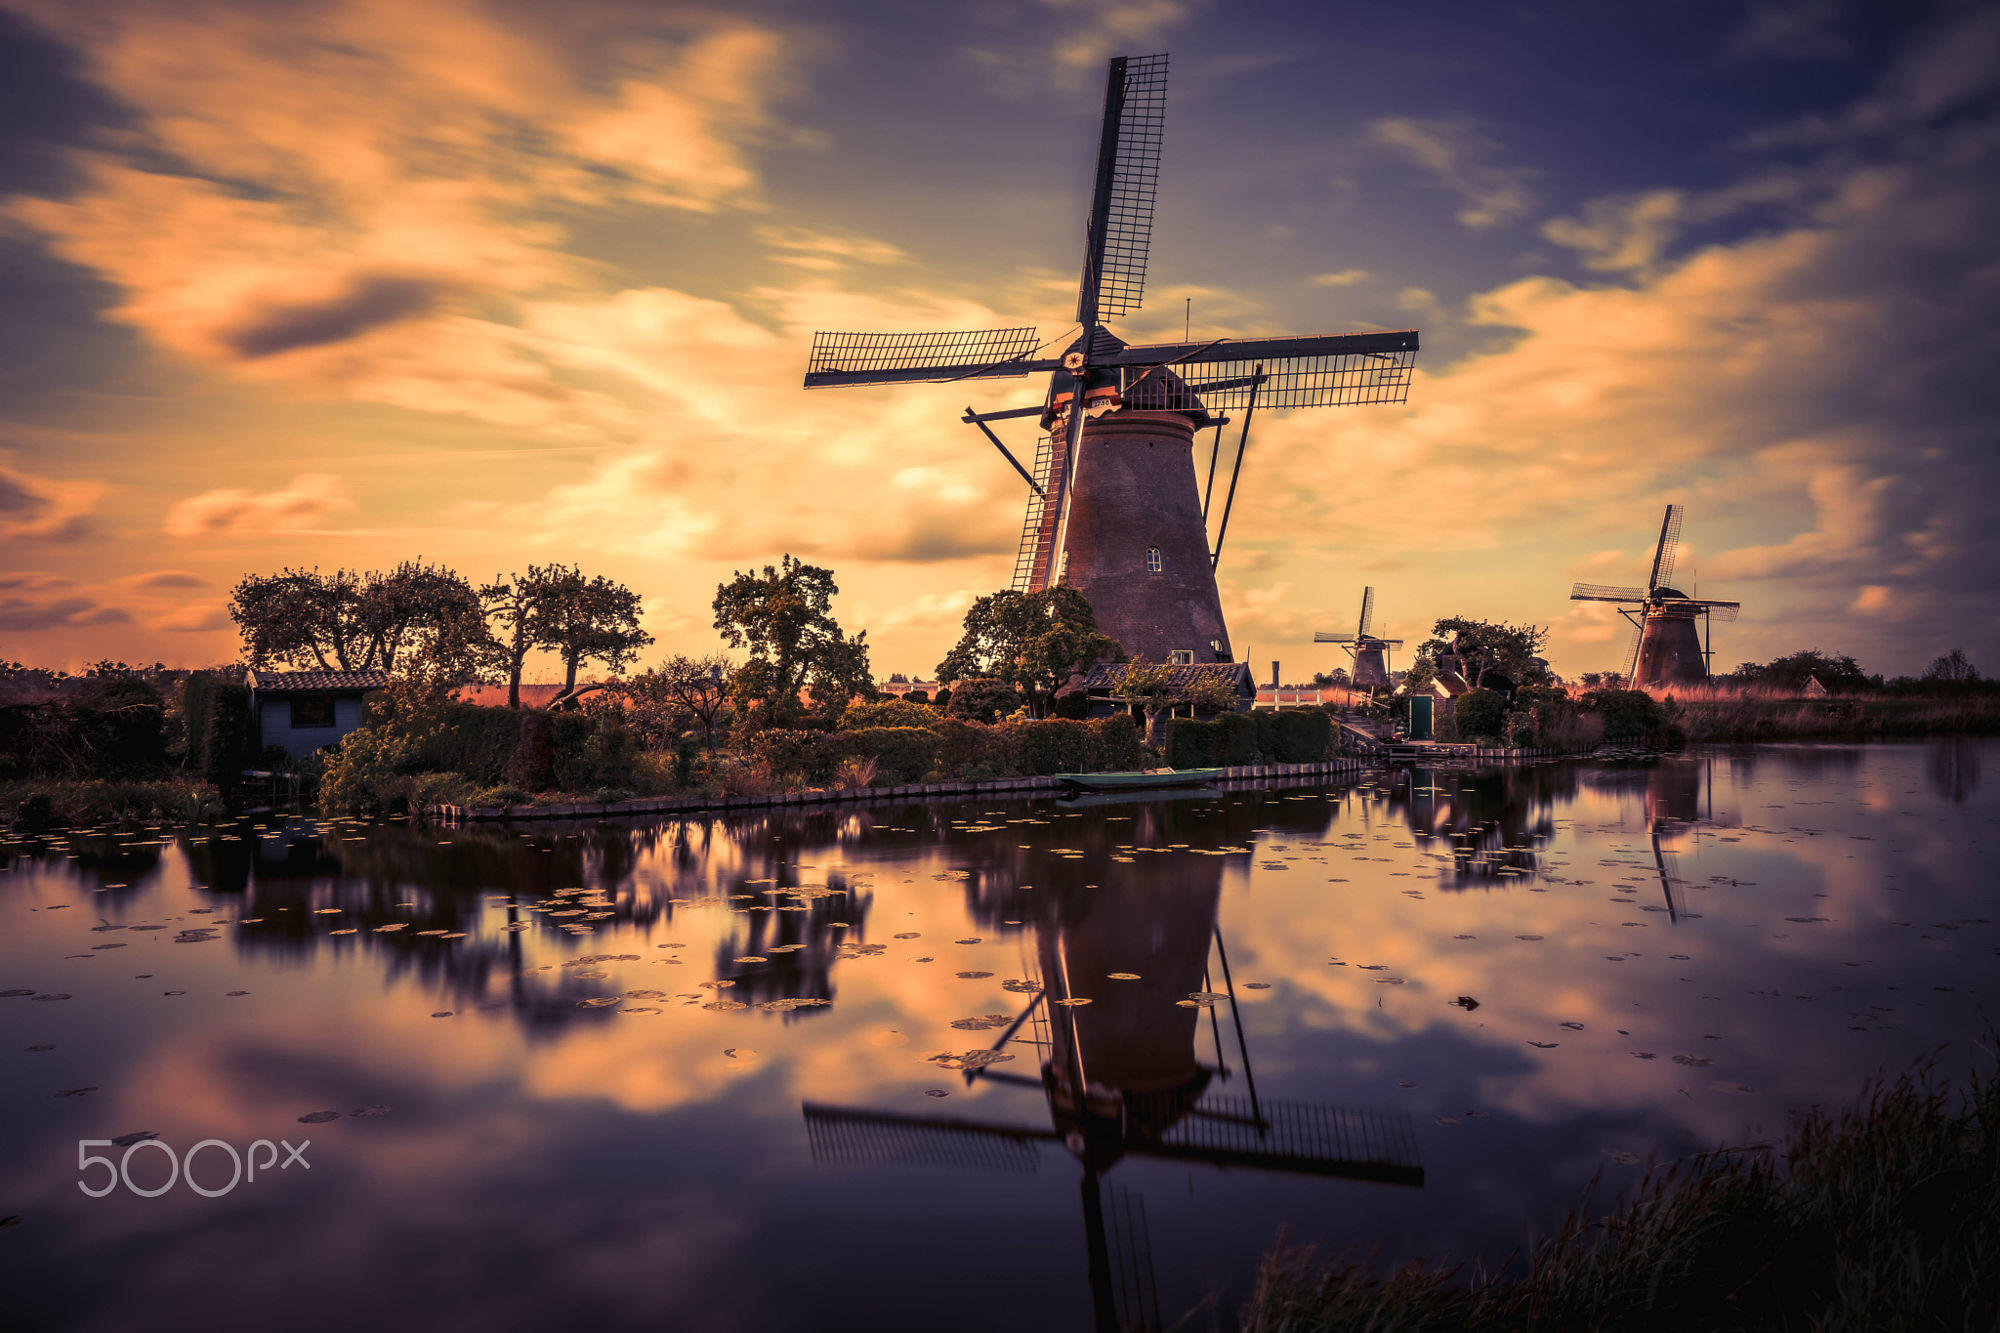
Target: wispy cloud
{"points": [[1459, 157], [43, 509], [232, 511]]}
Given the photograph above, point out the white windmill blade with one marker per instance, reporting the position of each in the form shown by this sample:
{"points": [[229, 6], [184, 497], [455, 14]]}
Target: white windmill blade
{"points": [[1367, 610], [1323, 637]]}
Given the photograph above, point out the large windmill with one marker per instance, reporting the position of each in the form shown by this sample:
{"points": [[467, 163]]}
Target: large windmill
{"points": [[1667, 647], [1370, 653], [1114, 509]]}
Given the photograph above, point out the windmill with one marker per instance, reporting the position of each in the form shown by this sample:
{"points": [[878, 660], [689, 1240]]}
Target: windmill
{"points": [[1114, 509], [1667, 649], [1370, 654]]}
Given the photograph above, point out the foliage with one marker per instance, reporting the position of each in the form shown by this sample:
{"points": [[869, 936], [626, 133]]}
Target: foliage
{"points": [[591, 619], [794, 755], [663, 701], [1481, 715], [31, 804], [983, 699], [601, 756], [1034, 641], [1879, 1216], [1838, 672], [903, 755], [1484, 648], [1952, 668], [1631, 715], [350, 621], [891, 712], [221, 728], [784, 618], [109, 726], [1287, 736], [1545, 717]]}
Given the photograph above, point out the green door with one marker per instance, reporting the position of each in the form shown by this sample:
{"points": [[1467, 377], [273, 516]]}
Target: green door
{"points": [[1420, 717]]}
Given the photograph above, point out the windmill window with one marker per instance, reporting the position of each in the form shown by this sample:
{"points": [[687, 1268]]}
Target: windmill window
{"points": [[1152, 559]]}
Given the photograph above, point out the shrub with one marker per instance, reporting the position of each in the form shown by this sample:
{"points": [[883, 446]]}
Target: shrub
{"points": [[1062, 745], [594, 752], [501, 794], [532, 763], [983, 700], [786, 754], [1481, 715], [890, 712], [902, 755], [217, 717], [1630, 715], [31, 805]]}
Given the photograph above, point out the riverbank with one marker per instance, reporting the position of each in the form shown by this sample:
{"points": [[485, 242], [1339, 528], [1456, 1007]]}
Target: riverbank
{"points": [[1841, 717], [700, 803], [1878, 1216], [33, 804]]}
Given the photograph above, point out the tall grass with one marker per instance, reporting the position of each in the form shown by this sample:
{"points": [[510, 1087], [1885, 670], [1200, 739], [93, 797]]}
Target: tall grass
{"points": [[1725, 713], [1885, 1215]]}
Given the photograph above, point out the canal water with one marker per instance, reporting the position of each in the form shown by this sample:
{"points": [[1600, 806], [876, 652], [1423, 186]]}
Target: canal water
{"points": [[993, 1064]]}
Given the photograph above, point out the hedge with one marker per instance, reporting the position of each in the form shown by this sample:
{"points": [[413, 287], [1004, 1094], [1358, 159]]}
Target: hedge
{"points": [[903, 755], [222, 737], [1304, 736]]}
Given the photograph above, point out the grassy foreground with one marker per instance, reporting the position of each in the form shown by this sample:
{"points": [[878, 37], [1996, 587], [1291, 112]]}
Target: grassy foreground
{"points": [[1882, 1216], [1718, 714]]}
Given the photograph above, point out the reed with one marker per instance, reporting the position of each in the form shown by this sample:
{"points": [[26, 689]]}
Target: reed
{"points": [[1879, 1216]]}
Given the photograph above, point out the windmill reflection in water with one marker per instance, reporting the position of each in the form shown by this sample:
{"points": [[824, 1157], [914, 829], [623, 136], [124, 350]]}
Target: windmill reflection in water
{"points": [[1122, 1077]]}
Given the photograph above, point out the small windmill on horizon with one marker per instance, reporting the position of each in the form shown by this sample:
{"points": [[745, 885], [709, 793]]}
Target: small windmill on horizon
{"points": [[1667, 648], [1369, 652], [1114, 508]]}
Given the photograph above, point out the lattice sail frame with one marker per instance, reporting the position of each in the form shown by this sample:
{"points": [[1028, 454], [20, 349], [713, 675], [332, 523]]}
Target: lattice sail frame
{"points": [[1135, 186], [1345, 379], [964, 349]]}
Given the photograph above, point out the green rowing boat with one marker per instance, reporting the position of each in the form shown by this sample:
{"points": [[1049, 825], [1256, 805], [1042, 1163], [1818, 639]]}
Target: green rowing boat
{"points": [[1145, 780]]}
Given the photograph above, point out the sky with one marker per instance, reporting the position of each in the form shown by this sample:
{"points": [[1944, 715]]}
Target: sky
{"points": [[490, 283]]}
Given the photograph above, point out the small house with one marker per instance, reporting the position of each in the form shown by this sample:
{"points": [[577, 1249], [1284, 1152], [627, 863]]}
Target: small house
{"points": [[1100, 685], [302, 711]]}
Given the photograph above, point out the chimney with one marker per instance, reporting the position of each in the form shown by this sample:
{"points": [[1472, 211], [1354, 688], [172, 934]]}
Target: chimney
{"points": [[1274, 675]]}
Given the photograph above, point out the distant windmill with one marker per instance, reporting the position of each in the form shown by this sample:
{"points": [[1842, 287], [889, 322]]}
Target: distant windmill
{"points": [[1370, 654], [1115, 510], [1666, 649]]}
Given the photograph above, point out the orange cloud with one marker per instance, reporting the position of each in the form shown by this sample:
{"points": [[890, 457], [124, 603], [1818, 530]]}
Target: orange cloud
{"points": [[233, 511]]}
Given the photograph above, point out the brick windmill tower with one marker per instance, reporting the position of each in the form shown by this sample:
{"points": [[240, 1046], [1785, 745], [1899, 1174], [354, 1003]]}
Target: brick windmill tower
{"points": [[1669, 647], [1115, 508]]}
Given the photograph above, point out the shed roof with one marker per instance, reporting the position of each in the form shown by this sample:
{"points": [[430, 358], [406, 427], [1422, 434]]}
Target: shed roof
{"points": [[1107, 675], [317, 682]]}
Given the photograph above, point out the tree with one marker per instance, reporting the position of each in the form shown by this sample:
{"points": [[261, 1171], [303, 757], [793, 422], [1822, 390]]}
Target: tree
{"points": [[521, 606], [784, 619], [682, 689], [592, 620], [1035, 641], [1484, 648], [1152, 687], [1790, 672], [1953, 668], [301, 618], [421, 608]]}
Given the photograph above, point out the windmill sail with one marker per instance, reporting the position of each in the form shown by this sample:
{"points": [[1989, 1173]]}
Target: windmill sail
{"points": [[1331, 370], [1668, 550], [1605, 592], [1367, 612], [840, 359], [1128, 185]]}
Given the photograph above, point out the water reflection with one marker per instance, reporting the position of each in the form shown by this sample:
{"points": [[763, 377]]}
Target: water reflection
{"points": [[1126, 975], [1663, 958], [1951, 767]]}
